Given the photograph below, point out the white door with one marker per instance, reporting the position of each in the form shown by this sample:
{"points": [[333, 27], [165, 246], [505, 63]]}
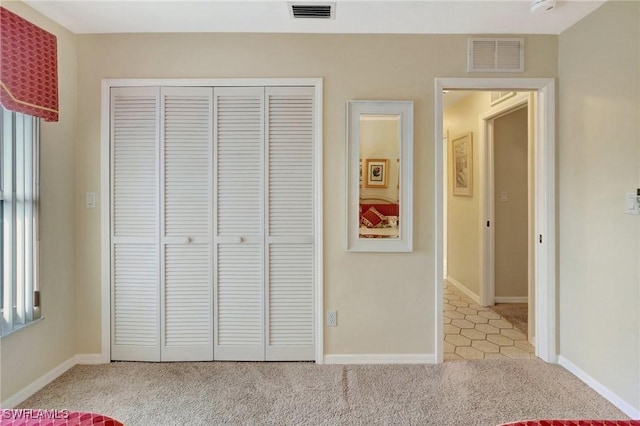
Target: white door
{"points": [[135, 286], [186, 204], [264, 237], [239, 223], [290, 224]]}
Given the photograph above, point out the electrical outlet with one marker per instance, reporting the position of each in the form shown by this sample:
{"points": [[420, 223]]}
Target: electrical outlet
{"points": [[332, 318]]}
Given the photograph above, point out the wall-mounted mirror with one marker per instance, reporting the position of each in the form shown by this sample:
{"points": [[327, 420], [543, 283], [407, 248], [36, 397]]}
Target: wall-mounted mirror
{"points": [[380, 170]]}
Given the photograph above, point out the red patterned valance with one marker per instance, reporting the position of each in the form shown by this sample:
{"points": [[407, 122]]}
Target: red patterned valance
{"points": [[28, 68]]}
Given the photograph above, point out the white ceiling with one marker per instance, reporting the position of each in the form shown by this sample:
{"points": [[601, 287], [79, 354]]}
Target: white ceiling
{"points": [[352, 16]]}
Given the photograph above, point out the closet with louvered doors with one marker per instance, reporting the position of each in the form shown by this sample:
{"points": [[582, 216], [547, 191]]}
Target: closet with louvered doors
{"points": [[212, 223], [264, 225]]}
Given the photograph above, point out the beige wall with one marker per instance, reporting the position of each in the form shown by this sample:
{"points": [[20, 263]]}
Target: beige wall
{"points": [[30, 353], [385, 302], [463, 213], [510, 153], [599, 160], [380, 139]]}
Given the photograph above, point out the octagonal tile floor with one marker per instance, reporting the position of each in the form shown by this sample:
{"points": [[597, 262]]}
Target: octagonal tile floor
{"points": [[472, 331]]}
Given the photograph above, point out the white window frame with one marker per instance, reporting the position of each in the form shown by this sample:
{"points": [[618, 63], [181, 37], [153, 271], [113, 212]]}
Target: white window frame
{"points": [[19, 235]]}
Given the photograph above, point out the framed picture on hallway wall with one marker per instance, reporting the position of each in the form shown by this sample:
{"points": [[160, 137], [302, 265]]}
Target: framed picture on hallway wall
{"points": [[462, 167]]}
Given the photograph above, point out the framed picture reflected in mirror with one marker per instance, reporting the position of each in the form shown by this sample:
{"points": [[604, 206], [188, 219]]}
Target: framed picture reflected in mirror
{"points": [[377, 171]]}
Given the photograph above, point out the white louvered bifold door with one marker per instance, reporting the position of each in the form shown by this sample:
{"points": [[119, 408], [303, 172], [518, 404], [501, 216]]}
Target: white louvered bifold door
{"points": [[290, 224], [239, 224], [135, 293], [186, 176]]}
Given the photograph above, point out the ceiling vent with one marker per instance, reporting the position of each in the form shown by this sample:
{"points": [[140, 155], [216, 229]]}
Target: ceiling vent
{"points": [[496, 55], [312, 10]]}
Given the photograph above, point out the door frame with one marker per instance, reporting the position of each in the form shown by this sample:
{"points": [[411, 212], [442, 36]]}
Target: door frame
{"points": [[105, 190], [445, 203], [486, 191], [544, 204], [487, 201]]}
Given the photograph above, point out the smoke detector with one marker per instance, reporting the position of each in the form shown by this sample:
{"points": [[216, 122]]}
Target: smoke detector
{"points": [[542, 5]]}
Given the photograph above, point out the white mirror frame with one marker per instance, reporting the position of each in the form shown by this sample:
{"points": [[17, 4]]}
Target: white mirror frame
{"points": [[405, 241]]}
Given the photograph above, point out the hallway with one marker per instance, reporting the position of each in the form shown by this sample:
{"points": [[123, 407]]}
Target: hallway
{"points": [[472, 331]]}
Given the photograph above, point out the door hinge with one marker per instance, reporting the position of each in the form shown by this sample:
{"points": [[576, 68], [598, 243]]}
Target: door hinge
{"points": [[540, 238], [36, 299]]}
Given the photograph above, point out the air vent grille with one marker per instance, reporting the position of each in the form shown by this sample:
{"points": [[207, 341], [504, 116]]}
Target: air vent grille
{"points": [[312, 10], [496, 55]]}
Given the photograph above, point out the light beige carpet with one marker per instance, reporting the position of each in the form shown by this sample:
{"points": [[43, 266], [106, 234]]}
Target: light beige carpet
{"points": [[461, 393], [516, 313]]}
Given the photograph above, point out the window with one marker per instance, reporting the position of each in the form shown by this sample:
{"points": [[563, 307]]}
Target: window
{"points": [[19, 190]]}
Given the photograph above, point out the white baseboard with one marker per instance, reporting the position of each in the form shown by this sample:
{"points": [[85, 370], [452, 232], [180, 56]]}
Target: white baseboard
{"points": [[607, 393], [380, 359], [37, 384], [24, 393], [457, 284], [87, 359], [524, 299]]}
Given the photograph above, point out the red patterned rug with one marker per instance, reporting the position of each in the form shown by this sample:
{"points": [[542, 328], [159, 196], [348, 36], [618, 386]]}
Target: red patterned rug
{"points": [[33, 417], [575, 423]]}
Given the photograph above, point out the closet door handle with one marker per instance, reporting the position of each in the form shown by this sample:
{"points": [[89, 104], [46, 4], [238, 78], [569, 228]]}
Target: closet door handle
{"points": [[177, 240]]}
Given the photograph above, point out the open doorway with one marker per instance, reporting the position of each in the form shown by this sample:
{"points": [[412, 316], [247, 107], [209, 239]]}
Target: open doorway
{"points": [[486, 225], [541, 232], [511, 243]]}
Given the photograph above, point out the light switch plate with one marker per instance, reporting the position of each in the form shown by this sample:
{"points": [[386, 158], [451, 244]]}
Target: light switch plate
{"points": [[90, 200], [631, 203]]}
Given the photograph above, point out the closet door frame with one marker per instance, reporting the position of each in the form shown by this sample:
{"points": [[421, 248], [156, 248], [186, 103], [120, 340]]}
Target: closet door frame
{"points": [[105, 190]]}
